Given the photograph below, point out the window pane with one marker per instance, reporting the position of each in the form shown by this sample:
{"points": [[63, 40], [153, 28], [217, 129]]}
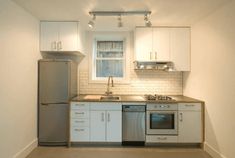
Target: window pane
{"points": [[105, 68], [110, 45], [109, 54]]}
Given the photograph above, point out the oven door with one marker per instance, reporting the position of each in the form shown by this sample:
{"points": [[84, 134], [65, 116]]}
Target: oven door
{"points": [[162, 122]]}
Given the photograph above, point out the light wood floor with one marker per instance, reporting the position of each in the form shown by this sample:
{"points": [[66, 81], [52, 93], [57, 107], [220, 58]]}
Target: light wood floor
{"points": [[117, 152]]}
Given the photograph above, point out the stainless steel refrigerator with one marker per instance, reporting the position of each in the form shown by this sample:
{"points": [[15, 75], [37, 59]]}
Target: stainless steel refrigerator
{"points": [[57, 85]]}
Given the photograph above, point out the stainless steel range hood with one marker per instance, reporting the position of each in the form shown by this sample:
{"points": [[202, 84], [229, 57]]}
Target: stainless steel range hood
{"points": [[153, 65]]}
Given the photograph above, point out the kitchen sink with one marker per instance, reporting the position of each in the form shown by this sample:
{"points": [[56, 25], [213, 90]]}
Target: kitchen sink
{"points": [[110, 98]]}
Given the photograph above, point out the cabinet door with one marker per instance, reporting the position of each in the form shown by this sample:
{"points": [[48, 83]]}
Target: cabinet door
{"points": [[97, 126], [190, 127], [114, 126], [143, 44], [161, 44], [68, 36], [49, 36], [180, 48]]}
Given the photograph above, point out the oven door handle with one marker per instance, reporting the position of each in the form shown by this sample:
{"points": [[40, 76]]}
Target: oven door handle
{"points": [[181, 117]]}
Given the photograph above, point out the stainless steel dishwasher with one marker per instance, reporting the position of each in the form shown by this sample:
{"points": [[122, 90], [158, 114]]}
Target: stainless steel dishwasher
{"points": [[133, 124]]}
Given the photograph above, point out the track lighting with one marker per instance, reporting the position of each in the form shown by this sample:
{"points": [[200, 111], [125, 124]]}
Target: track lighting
{"points": [[120, 24], [91, 23], [147, 21]]}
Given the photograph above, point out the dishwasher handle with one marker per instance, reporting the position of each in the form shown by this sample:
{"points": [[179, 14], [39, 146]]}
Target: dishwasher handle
{"points": [[133, 108]]}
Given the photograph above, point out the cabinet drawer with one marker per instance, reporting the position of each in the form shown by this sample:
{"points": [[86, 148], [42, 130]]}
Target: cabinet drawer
{"points": [[105, 106], [80, 106], [79, 114], [80, 122], [161, 139], [190, 106], [80, 134]]}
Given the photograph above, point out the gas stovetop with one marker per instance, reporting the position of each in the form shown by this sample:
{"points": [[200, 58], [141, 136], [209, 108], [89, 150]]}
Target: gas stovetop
{"points": [[158, 97]]}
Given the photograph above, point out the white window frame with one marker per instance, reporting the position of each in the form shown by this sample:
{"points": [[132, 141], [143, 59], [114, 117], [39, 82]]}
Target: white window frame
{"points": [[126, 67]]}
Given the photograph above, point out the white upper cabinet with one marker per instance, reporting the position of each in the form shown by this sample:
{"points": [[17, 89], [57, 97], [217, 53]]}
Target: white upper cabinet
{"points": [[143, 44], [60, 36], [164, 44], [152, 44], [161, 44], [180, 48]]}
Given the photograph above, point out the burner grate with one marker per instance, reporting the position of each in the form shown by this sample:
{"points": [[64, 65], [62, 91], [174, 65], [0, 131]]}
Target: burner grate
{"points": [[157, 97]]}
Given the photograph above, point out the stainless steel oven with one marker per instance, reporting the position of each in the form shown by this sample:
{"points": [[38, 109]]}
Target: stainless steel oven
{"points": [[162, 119]]}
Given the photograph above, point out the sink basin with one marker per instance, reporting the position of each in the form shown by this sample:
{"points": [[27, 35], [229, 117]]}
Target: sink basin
{"points": [[110, 98]]}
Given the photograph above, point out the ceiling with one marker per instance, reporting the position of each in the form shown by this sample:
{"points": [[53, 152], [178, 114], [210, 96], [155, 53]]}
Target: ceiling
{"points": [[164, 12]]}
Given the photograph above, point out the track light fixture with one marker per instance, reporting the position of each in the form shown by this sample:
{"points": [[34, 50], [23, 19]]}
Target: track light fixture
{"points": [[91, 23], [147, 21], [119, 14], [120, 24]]}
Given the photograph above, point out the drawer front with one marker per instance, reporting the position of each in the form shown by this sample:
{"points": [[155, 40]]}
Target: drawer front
{"points": [[80, 105], [80, 134], [161, 139], [106, 106], [79, 114], [190, 106], [80, 122]]}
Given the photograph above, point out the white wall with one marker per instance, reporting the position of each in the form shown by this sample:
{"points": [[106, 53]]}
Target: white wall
{"points": [[212, 77], [19, 51]]}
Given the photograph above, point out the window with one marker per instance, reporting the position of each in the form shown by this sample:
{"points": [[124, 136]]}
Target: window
{"points": [[109, 59]]}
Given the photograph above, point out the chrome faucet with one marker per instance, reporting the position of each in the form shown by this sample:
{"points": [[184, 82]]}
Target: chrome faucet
{"points": [[108, 92]]}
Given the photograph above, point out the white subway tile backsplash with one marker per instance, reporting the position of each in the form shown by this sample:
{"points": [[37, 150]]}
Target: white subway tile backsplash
{"points": [[143, 82]]}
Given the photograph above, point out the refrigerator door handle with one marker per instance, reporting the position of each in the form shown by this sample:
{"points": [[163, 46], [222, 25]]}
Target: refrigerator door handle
{"points": [[44, 104]]}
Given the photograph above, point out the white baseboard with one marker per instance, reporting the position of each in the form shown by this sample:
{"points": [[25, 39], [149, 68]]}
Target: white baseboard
{"points": [[27, 149], [212, 151]]}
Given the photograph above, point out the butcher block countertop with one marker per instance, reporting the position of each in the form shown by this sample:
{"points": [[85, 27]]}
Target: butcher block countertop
{"points": [[134, 98]]}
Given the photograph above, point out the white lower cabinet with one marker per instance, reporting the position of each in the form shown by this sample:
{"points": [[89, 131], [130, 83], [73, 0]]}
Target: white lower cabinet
{"points": [[114, 126], [106, 125], [80, 122], [190, 123], [96, 122], [97, 125]]}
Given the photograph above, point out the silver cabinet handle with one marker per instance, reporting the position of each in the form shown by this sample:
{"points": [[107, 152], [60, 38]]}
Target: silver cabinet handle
{"points": [[164, 106], [79, 129], [79, 113], [155, 55], [108, 117], [79, 104], [150, 55], [162, 138], [59, 45], [181, 117], [53, 45], [79, 121], [102, 117], [189, 105]]}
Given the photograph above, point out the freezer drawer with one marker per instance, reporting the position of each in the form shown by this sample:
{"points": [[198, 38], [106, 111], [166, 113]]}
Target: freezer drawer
{"points": [[53, 123]]}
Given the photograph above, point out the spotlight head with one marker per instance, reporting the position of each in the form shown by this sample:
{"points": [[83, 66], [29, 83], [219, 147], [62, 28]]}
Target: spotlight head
{"points": [[148, 23], [120, 24], [91, 24]]}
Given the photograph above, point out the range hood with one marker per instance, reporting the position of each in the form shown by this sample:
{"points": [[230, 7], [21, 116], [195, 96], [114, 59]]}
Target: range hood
{"points": [[154, 65]]}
